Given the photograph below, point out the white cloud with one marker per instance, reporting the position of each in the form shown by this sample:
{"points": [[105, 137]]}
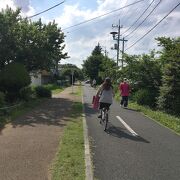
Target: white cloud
{"points": [[24, 5], [26, 8], [30, 12], [9, 3], [82, 39]]}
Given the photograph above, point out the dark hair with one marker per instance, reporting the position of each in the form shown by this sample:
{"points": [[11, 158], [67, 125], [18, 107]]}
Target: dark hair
{"points": [[107, 84]]}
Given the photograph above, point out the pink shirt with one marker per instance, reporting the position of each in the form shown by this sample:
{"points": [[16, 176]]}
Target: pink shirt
{"points": [[124, 88]]}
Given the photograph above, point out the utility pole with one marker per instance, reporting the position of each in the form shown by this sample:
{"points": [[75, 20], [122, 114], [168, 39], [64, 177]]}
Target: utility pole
{"points": [[105, 51], [123, 40], [116, 36], [119, 31]]}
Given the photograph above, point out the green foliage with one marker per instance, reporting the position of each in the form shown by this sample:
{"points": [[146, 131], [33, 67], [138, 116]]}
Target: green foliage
{"points": [[8, 37], [108, 69], [2, 99], [97, 50], [54, 88], [34, 44], [92, 65], [144, 97], [26, 93], [97, 66], [169, 99], [144, 73], [43, 92], [66, 71], [12, 78]]}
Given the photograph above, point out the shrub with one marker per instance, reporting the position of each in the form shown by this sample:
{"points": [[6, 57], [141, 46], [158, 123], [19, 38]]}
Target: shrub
{"points": [[42, 91], [2, 99], [13, 78], [144, 97], [26, 93]]}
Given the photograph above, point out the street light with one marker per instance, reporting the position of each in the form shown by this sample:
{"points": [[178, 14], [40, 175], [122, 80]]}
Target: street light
{"points": [[116, 36], [114, 33]]}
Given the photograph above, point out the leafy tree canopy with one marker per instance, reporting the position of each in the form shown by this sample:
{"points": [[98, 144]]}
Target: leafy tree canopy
{"points": [[97, 66], [34, 44]]}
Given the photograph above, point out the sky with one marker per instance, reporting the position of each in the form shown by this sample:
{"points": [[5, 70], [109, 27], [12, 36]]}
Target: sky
{"points": [[82, 39]]}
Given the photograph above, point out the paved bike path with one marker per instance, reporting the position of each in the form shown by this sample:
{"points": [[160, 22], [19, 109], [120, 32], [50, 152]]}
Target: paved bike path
{"points": [[29, 144], [153, 155]]}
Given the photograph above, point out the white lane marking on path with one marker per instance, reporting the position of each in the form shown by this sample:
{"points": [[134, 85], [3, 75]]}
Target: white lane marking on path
{"points": [[127, 126], [89, 172]]}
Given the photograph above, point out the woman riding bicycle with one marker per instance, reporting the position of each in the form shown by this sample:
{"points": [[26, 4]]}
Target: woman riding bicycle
{"points": [[106, 95]]}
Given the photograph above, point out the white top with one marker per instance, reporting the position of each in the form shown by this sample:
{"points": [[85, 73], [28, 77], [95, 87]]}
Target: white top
{"points": [[106, 96]]}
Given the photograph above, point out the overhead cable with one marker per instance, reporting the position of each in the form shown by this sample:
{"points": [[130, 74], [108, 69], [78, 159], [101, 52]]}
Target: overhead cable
{"points": [[144, 19], [46, 10], [138, 17], [83, 22], [153, 27]]}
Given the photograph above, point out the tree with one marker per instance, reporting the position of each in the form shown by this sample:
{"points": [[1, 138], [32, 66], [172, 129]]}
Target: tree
{"points": [[108, 69], [13, 78], [8, 38], [145, 75], [92, 66], [34, 44], [97, 50], [97, 66], [169, 99], [68, 69], [40, 45]]}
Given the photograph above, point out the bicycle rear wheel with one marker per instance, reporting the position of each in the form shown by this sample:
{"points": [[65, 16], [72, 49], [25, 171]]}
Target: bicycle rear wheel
{"points": [[106, 121]]}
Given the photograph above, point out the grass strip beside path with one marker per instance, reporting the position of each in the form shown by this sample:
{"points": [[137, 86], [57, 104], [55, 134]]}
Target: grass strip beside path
{"points": [[69, 162], [54, 88], [165, 119]]}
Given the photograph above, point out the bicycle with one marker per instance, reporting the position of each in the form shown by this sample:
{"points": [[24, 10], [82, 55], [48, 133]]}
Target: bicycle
{"points": [[105, 117]]}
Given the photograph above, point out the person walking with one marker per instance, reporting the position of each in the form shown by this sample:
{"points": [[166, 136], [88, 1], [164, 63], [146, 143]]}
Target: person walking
{"points": [[94, 83], [124, 89]]}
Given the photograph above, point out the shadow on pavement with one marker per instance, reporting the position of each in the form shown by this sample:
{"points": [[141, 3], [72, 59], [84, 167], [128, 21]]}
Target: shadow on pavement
{"points": [[118, 132], [55, 111], [89, 111], [130, 109]]}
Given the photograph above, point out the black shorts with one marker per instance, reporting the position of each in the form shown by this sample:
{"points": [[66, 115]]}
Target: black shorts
{"points": [[102, 105]]}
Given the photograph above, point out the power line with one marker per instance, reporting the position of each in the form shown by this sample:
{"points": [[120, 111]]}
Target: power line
{"points": [[139, 17], [96, 22], [144, 19], [153, 27], [46, 10], [83, 22]]}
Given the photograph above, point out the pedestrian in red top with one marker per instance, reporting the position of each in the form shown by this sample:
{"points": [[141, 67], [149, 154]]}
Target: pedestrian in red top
{"points": [[124, 89]]}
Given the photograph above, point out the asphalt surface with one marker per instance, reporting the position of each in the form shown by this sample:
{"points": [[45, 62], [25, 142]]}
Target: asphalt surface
{"points": [[118, 155], [28, 145]]}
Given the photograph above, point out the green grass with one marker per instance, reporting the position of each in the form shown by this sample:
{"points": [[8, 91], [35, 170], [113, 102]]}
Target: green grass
{"points": [[19, 110], [54, 88], [78, 92], [165, 119], [69, 162]]}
